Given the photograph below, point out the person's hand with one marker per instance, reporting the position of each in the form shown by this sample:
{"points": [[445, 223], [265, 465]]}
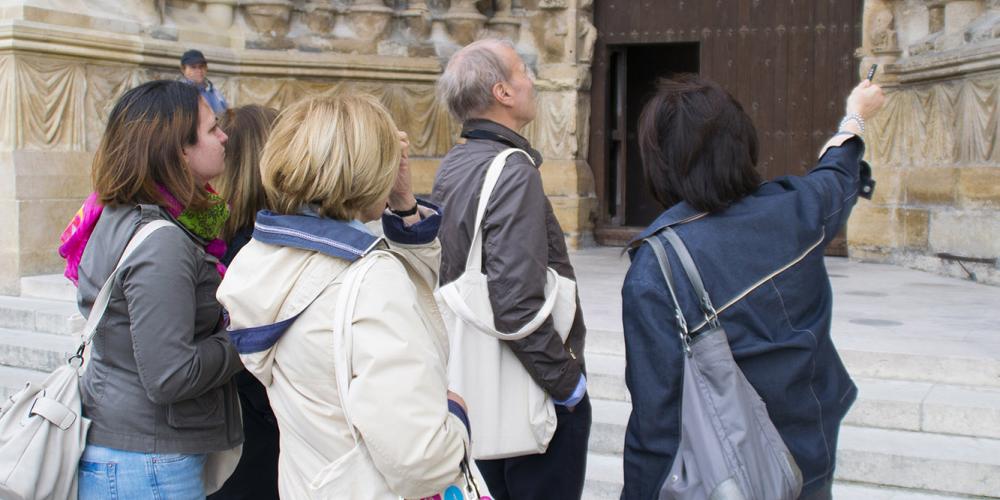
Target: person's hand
{"points": [[865, 100], [401, 197], [458, 399]]}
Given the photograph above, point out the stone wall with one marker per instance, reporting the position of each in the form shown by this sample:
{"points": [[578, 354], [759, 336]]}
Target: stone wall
{"points": [[63, 63], [935, 148]]}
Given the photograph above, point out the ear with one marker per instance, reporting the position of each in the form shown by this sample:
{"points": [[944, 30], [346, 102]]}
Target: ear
{"points": [[501, 92]]}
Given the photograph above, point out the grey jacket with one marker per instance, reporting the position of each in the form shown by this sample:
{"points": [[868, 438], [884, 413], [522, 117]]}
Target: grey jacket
{"points": [[521, 237], [160, 376]]}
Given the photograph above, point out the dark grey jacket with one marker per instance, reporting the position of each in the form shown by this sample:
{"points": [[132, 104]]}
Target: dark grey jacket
{"points": [[521, 237], [160, 375]]}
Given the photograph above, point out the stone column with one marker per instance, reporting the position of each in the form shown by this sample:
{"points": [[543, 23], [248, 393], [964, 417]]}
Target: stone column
{"points": [[370, 18], [464, 21], [271, 20], [220, 12], [503, 22]]}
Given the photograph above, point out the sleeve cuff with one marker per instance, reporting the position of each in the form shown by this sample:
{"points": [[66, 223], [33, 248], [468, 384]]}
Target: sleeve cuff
{"points": [[420, 233], [839, 139], [457, 410], [578, 393]]}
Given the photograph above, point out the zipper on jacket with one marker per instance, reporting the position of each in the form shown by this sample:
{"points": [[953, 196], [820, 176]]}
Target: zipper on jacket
{"points": [[767, 278]]}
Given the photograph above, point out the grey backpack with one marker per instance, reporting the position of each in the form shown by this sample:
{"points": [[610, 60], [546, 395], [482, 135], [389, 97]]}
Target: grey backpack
{"points": [[729, 449]]}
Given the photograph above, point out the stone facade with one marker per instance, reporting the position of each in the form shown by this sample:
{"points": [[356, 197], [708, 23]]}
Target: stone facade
{"points": [[935, 148], [63, 63]]}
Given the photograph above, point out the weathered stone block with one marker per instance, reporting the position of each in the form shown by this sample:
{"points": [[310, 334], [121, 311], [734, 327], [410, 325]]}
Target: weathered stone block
{"points": [[52, 174], [979, 185], [966, 233], [871, 226], [574, 213], [40, 222], [889, 190], [567, 178], [925, 186], [422, 171], [913, 225]]}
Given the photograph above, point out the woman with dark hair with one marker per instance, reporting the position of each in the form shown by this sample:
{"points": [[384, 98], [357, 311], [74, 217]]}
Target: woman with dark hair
{"points": [[256, 476], [759, 247], [157, 387]]}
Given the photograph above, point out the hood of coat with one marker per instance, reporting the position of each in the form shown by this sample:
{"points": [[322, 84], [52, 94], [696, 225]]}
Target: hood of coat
{"points": [[279, 273]]}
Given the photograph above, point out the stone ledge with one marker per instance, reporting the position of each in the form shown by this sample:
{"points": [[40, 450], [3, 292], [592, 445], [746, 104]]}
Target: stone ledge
{"points": [[87, 44]]}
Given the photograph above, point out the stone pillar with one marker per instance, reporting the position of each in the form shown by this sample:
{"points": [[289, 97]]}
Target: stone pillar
{"points": [[220, 12], [933, 150], [464, 21]]}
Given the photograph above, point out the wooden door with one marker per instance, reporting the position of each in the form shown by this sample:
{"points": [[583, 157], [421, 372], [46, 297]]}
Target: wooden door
{"points": [[790, 63]]}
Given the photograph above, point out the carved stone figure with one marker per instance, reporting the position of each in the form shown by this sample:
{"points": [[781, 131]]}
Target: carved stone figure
{"points": [[883, 33]]}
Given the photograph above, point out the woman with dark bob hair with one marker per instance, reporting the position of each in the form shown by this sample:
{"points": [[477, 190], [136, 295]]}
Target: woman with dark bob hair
{"points": [[158, 386], [759, 248]]}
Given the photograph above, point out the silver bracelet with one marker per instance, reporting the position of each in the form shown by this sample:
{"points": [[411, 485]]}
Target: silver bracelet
{"points": [[855, 118]]}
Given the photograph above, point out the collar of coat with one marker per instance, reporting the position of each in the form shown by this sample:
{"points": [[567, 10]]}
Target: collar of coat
{"points": [[328, 236], [481, 128], [675, 215]]}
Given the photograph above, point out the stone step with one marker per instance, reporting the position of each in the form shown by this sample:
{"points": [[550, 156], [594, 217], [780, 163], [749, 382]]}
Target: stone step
{"points": [[607, 430], [920, 460], [48, 286], [853, 491], [605, 479], [13, 379], [922, 406], [936, 360], [606, 377], [890, 404], [40, 315], [35, 350], [940, 360]]}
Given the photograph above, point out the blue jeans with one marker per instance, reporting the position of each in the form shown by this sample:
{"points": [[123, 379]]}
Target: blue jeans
{"points": [[110, 474]]}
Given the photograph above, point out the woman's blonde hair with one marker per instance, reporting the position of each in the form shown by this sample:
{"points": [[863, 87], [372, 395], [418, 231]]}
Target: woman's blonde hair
{"points": [[339, 154], [247, 128]]}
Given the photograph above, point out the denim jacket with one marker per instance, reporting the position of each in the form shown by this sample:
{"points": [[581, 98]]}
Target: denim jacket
{"points": [[762, 263]]}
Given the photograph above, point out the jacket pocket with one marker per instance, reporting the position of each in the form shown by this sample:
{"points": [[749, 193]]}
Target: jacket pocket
{"points": [[203, 412]]}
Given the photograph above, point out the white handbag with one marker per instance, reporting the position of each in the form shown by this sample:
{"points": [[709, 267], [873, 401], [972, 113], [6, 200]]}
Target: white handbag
{"points": [[509, 413], [42, 429], [354, 474]]}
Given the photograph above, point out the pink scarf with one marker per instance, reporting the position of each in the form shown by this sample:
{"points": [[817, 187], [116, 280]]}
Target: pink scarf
{"points": [[76, 235]]}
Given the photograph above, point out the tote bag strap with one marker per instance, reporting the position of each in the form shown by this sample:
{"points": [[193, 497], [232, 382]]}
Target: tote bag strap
{"points": [[475, 260], [104, 296], [343, 318], [474, 263], [661, 258]]}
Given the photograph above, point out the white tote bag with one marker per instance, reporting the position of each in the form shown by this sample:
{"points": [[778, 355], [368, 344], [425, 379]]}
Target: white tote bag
{"points": [[42, 428], [509, 413]]}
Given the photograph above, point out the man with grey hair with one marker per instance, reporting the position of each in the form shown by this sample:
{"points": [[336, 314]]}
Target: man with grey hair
{"points": [[488, 87]]}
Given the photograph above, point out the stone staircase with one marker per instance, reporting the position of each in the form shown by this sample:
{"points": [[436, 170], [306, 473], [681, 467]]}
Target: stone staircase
{"points": [[925, 354], [38, 330], [923, 349]]}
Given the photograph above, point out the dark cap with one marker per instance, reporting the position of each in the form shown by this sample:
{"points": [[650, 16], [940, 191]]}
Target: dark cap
{"points": [[192, 57]]}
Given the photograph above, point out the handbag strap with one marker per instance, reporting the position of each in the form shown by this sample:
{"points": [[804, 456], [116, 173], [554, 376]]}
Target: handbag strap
{"points": [[343, 319], [661, 258], [691, 269], [104, 296]]}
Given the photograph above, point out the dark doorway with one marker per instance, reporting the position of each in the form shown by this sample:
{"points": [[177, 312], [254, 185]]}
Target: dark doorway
{"points": [[637, 70], [790, 65]]}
